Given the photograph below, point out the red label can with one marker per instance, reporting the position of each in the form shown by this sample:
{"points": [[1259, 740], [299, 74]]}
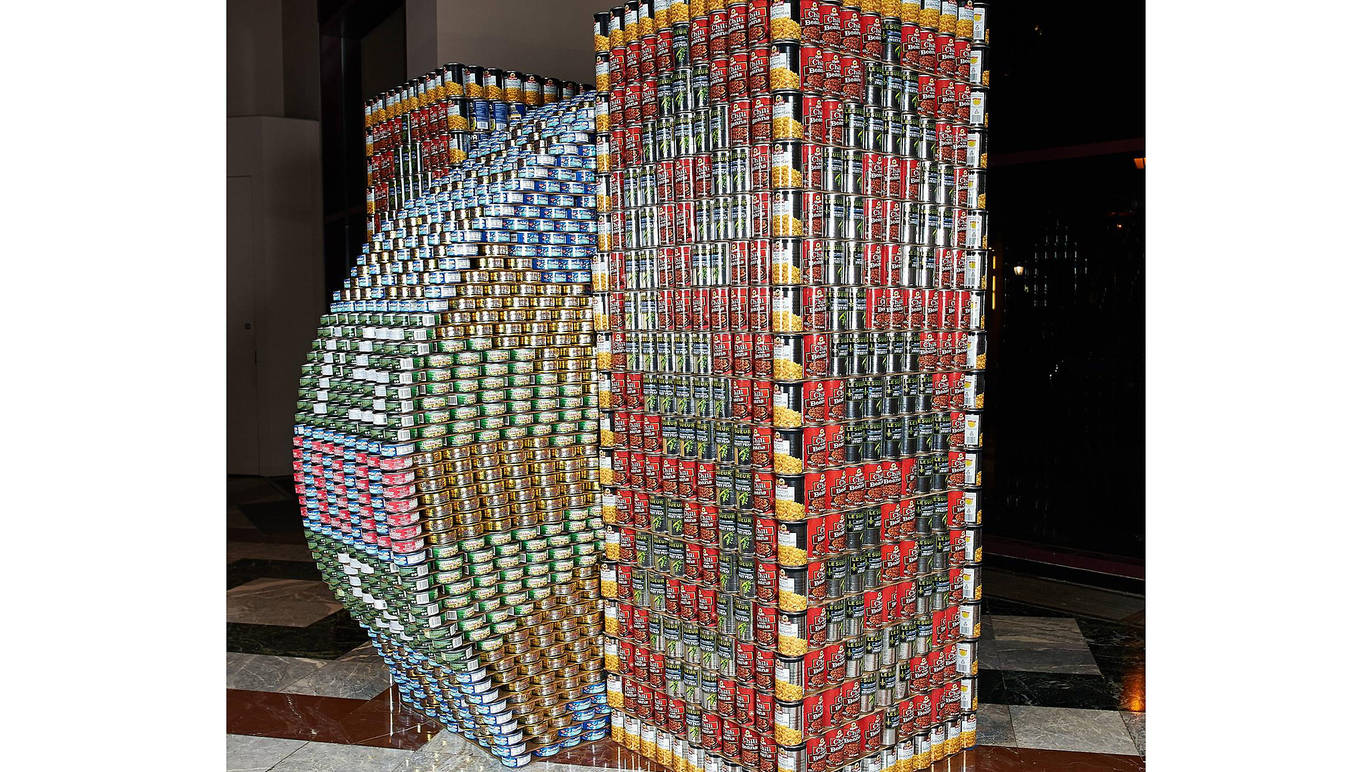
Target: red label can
{"points": [[811, 69], [869, 732], [830, 24], [814, 401], [872, 175], [737, 84], [947, 98], [761, 208], [683, 178], [727, 696], [815, 758], [748, 745], [676, 716], [765, 538], [854, 77], [760, 157], [705, 607], [762, 355], [764, 710], [719, 78], [850, 29], [702, 178], [741, 396], [692, 531], [744, 703], [764, 668], [762, 447], [740, 122], [759, 308], [729, 739], [664, 49], [743, 353], [871, 260], [894, 188], [759, 61], [760, 130], [928, 50], [738, 296], [718, 308], [900, 301], [945, 138], [618, 62], [633, 145], [872, 38], [764, 487], [874, 616], [834, 528], [759, 14], [633, 97], [633, 54], [743, 662], [811, 29], [924, 702], [946, 55], [833, 72], [962, 98], [833, 117], [927, 106], [736, 30], [709, 558], [909, 44], [812, 118], [710, 730], [717, 32]]}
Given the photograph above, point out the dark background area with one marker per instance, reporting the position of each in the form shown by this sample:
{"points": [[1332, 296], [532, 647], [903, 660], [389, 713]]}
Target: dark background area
{"points": [[1066, 199], [1065, 387]]}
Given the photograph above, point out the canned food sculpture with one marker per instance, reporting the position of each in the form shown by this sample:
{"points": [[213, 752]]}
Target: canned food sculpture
{"points": [[417, 132], [791, 309], [445, 450]]}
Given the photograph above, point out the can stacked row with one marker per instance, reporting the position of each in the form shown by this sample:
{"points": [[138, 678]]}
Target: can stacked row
{"points": [[445, 443], [790, 303], [416, 133]]}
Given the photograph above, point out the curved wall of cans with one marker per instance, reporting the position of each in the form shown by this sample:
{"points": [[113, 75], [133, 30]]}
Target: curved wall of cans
{"points": [[445, 447]]}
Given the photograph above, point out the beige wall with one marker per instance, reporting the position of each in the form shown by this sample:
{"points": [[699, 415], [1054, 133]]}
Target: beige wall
{"points": [[275, 224], [383, 55], [547, 37], [300, 59], [255, 84], [273, 58], [275, 277], [275, 240]]}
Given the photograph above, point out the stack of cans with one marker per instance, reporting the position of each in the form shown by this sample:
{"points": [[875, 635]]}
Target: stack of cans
{"points": [[417, 132], [445, 450], [791, 302]]}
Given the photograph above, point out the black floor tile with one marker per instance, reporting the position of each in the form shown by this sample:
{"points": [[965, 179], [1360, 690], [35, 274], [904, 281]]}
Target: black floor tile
{"points": [[248, 569], [1077, 576], [1112, 635], [1119, 652], [1049, 690], [275, 516], [240, 488], [285, 484], [329, 638], [1002, 607]]}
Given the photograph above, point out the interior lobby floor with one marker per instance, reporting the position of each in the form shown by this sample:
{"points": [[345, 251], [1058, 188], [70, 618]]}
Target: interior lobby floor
{"points": [[1061, 673]]}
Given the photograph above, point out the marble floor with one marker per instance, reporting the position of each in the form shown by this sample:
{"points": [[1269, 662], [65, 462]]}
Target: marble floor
{"points": [[1061, 682]]}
